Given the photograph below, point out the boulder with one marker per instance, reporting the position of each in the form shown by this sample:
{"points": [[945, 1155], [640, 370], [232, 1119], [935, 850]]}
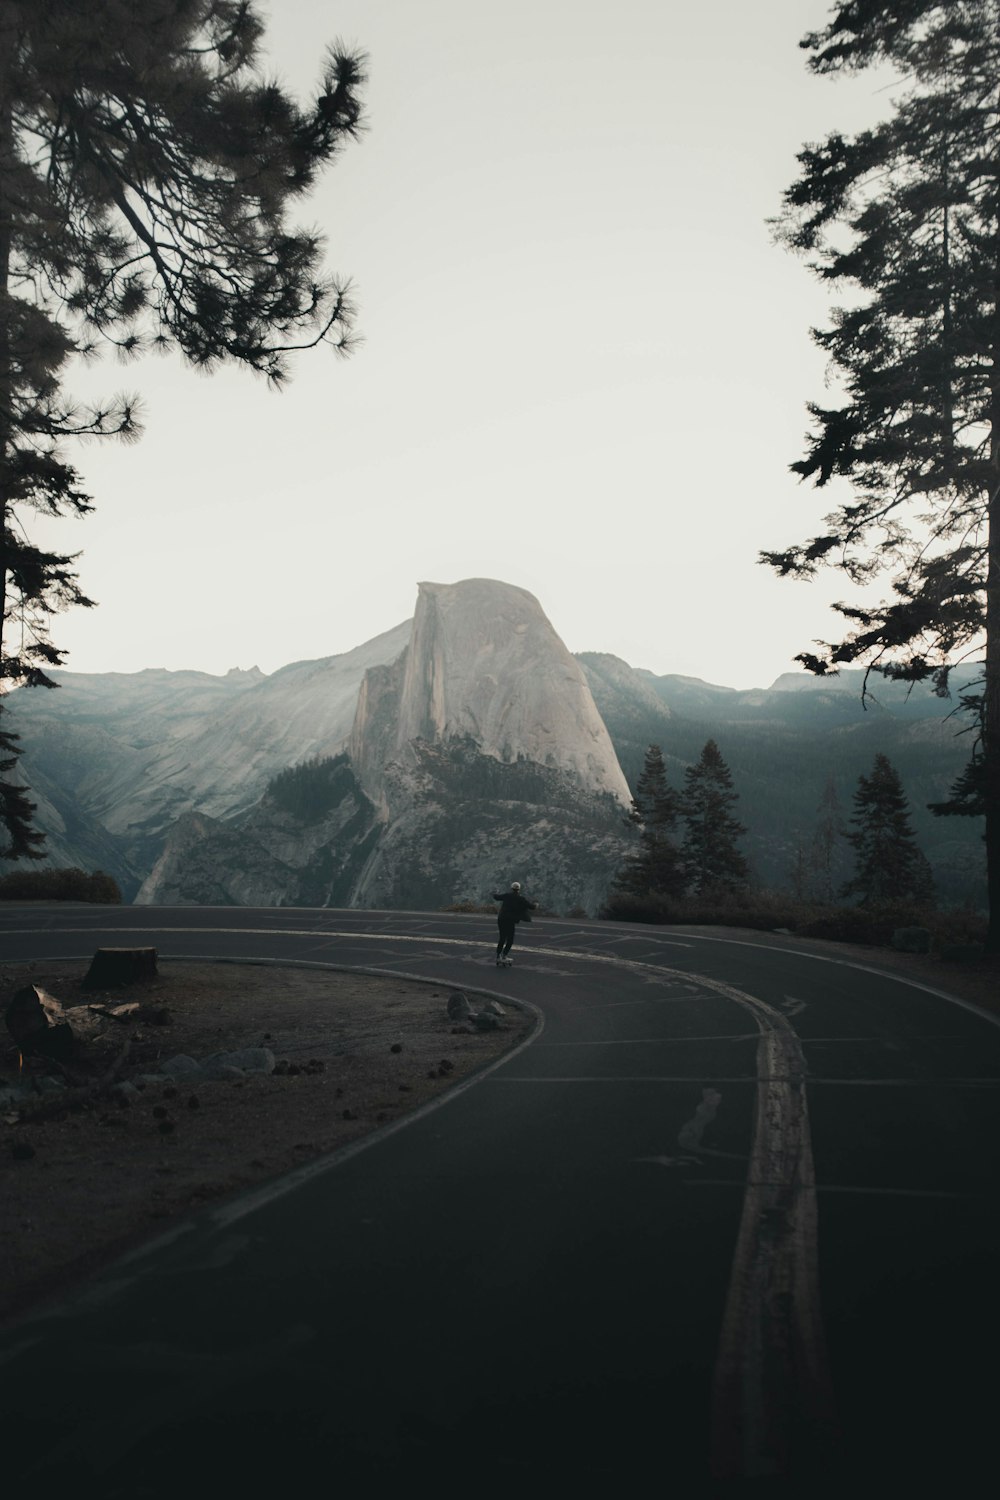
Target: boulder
{"points": [[221, 1072], [247, 1059], [458, 1006], [180, 1066]]}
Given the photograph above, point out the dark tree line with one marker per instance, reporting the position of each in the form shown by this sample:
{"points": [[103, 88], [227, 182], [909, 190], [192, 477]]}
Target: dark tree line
{"points": [[688, 841], [704, 860], [147, 170]]}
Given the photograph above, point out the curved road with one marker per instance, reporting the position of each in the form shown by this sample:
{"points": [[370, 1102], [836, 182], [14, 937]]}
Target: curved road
{"points": [[731, 1214]]}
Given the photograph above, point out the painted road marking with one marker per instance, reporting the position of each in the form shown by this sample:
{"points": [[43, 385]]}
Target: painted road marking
{"points": [[835, 1187], [690, 1134], [908, 1083], [655, 1041], [771, 1368], [633, 1078]]}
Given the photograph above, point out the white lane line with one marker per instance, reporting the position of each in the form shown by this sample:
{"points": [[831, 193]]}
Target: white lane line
{"points": [[654, 1041], [141, 1261], [769, 1078], [907, 1083], [631, 1078], [771, 1369], [648, 999], [846, 963], [376, 934], [608, 942], [836, 1187], [888, 1042]]}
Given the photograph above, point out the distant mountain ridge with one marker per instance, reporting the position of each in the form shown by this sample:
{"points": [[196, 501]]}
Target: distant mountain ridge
{"points": [[161, 777]]}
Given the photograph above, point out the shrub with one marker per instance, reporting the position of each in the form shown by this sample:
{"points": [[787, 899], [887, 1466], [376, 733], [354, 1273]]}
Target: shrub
{"points": [[60, 885], [771, 911], [469, 907], [911, 940], [758, 909]]}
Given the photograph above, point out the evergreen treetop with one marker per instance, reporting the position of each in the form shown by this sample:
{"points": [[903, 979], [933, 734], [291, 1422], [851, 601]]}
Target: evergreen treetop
{"points": [[889, 865], [710, 854], [655, 868]]}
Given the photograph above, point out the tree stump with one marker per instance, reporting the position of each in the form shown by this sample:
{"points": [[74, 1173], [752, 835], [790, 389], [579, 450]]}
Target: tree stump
{"points": [[110, 968]]}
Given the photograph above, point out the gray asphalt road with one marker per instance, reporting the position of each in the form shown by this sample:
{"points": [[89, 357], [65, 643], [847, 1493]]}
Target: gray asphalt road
{"points": [[732, 1215]]}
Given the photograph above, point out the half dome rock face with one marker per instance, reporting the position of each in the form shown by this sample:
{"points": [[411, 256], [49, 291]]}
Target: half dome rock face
{"points": [[484, 663]]}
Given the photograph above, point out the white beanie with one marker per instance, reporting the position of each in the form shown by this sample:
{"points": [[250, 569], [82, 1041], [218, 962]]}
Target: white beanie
{"points": [[515, 885]]}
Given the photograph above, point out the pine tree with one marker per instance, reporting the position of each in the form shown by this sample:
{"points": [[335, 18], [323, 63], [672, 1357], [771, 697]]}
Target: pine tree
{"points": [[904, 221], [889, 866], [711, 858], [146, 173], [21, 840], [826, 840], [655, 869]]}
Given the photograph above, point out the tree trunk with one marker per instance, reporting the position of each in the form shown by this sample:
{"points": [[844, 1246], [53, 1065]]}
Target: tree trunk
{"points": [[7, 26], [991, 713], [991, 672]]}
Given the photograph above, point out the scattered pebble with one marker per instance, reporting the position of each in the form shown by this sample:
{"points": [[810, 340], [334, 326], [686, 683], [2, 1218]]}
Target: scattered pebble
{"points": [[165, 1127], [22, 1151], [194, 1102], [396, 1047], [349, 1114]]}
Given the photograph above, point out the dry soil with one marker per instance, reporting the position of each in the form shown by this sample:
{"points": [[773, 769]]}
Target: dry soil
{"points": [[84, 1184]]}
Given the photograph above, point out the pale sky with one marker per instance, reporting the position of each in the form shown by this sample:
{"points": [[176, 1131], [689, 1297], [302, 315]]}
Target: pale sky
{"points": [[584, 370]]}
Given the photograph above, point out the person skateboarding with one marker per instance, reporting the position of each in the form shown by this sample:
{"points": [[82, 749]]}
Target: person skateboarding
{"points": [[514, 908]]}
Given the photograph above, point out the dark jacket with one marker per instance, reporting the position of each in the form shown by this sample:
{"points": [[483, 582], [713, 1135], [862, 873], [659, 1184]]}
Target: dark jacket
{"points": [[513, 906]]}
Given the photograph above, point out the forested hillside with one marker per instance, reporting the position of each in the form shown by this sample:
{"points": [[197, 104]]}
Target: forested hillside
{"points": [[784, 745]]}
